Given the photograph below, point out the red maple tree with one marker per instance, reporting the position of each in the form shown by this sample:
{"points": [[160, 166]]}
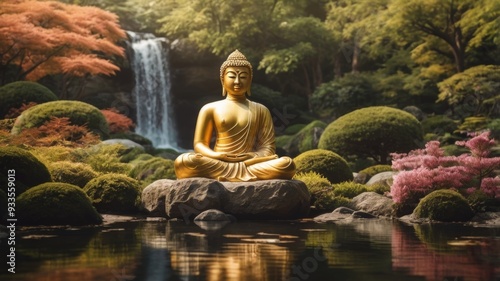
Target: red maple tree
{"points": [[39, 38]]}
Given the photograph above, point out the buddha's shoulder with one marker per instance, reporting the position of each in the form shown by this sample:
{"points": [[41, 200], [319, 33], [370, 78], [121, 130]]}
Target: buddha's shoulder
{"points": [[211, 105], [259, 106]]}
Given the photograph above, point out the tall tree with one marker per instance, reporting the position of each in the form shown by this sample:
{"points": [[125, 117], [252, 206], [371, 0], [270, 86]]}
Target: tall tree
{"points": [[352, 22], [446, 30], [39, 38]]}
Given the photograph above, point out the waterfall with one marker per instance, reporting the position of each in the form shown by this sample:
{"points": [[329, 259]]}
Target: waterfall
{"points": [[154, 114]]}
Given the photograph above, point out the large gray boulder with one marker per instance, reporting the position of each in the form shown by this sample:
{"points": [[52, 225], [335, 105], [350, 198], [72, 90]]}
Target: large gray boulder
{"points": [[268, 199], [187, 198], [373, 203]]}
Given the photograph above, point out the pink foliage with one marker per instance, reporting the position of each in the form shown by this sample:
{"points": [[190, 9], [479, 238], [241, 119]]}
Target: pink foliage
{"points": [[424, 170]]}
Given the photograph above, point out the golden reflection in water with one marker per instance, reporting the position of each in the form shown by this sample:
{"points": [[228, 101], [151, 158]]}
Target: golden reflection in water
{"points": [[234, 262]]}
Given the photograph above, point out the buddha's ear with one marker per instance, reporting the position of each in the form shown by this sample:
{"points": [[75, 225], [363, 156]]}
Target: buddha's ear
{"points": [[248, 92], [224, 93]]}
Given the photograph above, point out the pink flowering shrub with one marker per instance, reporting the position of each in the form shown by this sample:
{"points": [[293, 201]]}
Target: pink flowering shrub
{"points": [[424, 170]]}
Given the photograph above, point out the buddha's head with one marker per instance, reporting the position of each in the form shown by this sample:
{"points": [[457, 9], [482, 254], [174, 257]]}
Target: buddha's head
{"points": [[235, 63]]}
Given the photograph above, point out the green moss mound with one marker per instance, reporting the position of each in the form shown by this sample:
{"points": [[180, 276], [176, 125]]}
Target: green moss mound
{"points": [[316, 184], [13, 95], [153, 169], [78, 174], [79, 113], [348, 189], [444, 205], [373, 132], [306, 139], [56, 203], [28, 171], [114, 193], [325, 162], [328, 202], [375, 169]]}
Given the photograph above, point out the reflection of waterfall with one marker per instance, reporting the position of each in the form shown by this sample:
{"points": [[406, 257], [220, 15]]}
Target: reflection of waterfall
{"points": [[149, 61]]}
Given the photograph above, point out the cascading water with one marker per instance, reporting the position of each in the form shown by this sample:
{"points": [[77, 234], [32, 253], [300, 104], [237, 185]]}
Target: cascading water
{"points": [[154, 114]]}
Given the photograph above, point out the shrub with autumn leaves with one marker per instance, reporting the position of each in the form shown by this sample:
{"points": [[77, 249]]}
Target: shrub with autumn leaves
{"points": [[424, 170], [117, 122]]}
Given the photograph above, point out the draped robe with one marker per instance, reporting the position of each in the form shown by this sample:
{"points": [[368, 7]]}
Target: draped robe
{"points": [[256, 134]]}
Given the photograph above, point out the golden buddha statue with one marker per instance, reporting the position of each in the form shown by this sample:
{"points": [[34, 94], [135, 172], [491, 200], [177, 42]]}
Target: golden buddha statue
{"points": [[244, 149]]}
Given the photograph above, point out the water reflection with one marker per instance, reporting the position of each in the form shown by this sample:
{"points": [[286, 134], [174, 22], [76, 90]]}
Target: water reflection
{"points": [[246, 250]]}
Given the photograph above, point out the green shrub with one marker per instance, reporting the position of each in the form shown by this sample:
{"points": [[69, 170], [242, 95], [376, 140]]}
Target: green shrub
{"points": [[348, 189], [293, 129], [104, 158], [379, 188], [328, 202], [325, 162], [78, 174], [438, 124], [55, 203], [316, 184], [481, 202], [132, 154], [28, 170], [372, 132], [375, 169], [153, 169], [79, 113], [306, 139], [114, 193], [444, 205], [56, 153], [14, 95]]}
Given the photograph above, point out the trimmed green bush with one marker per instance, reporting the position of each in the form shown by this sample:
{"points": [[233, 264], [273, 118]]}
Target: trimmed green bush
{"points": [[104, 158], [328, 202], [348, 189], [327, 163], [373, 132], [444, 205], [306, 139], [153, 169], [28, 170], [379, 188], [114, 193], [375, 169], [316, 184], [78, 174], [56, 203], [14, 95], [79, 113]]}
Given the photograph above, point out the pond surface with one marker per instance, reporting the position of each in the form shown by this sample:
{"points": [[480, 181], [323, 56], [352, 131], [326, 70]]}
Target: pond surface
{"points": [[264, 250]]}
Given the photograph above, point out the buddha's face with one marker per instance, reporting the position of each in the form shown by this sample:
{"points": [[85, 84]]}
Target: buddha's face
{"points": [[236, 80]]}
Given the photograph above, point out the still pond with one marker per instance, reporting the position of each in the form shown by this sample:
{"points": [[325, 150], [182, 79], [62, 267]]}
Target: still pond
{"points": [[257, 250]]}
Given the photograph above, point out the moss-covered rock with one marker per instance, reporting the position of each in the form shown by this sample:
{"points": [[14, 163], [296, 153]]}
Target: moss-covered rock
{"points": [[153, 169], [306, 139], [56, 204], [27, 170], [348, 189], [374, 132], [444, 205], [325, 162], [78, 174], [14, 95], [114, 193], [79, 113], [375, 169]]}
